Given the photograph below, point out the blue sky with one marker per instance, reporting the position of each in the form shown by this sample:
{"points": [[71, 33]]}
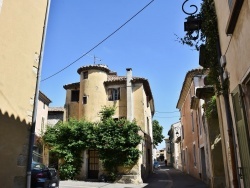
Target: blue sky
{"points": [[147, 44]]}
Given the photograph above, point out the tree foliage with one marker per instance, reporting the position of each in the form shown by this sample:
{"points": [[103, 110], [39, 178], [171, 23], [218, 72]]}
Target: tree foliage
{"points": [[157, 133], [116, 142], [210, 108], [67, 140]]}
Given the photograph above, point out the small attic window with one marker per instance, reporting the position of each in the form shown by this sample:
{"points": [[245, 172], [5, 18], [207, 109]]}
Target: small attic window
{"points": [[85, 75], [84, 100]]}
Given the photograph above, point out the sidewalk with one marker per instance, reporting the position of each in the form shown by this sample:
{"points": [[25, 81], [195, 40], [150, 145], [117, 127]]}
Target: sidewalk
{"points": [[162, 178]]}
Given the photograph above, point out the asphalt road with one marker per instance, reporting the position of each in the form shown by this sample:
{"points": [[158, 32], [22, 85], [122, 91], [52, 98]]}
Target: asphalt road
{"points": [[161, 178]]}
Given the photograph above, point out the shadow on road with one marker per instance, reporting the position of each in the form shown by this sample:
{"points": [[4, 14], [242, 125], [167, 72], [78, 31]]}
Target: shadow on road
{"points": [[168, 177]]}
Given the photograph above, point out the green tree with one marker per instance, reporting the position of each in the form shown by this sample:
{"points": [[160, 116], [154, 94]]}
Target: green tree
{"points": [[116, 142], [67, 140], [157, 133]]}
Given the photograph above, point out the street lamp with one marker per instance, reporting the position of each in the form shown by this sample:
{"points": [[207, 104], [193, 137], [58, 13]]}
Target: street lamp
{"points": [[193, 23]]}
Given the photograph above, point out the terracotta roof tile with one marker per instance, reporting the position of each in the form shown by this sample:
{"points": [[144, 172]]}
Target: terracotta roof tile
{"points": [[187, 83]]}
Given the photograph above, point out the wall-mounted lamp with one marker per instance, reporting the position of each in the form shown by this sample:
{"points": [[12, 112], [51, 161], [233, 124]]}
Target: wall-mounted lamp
{"points": [[193, 23]]}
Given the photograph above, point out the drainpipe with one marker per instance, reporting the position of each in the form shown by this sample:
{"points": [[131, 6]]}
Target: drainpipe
{"points": [[230, 129], [33, 125], [130, 105]]}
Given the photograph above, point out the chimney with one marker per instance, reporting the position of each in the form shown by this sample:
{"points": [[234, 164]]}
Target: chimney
{"points": [[130, 105]]}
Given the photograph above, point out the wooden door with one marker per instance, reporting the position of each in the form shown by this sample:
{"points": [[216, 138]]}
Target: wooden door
{"points": [[93, 164]]}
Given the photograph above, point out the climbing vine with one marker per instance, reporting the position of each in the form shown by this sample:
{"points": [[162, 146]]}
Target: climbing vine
{"points": [[67, 140], [208, 36], [210, 108], [116, 142]]}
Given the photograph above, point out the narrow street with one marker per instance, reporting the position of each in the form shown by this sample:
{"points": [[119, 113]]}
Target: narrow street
{"points": [[164, 177], [168, 177]]}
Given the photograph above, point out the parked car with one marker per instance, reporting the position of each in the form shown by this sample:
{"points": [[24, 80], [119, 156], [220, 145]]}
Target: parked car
{"points": [[42, 176]]}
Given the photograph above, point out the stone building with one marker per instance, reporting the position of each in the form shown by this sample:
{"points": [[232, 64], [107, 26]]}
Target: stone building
{"points": [[132, 98], [194, 155], [21, 35]]}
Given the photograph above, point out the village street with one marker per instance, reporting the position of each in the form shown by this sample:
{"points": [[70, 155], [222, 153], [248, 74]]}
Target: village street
{"points": [[165, 177]]}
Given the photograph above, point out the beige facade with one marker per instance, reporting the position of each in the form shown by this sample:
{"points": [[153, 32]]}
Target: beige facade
{"points": [[21, 34], [40, 154], [167, 150], [132, 98], [233, 26], [175, 146]]}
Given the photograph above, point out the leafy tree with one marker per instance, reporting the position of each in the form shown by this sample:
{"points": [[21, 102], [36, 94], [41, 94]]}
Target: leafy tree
{"points": [[67, 140], [116, 142], [157, 133]]}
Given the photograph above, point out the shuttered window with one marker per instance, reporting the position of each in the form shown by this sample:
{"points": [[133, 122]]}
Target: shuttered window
{"points": [[113, 94]]}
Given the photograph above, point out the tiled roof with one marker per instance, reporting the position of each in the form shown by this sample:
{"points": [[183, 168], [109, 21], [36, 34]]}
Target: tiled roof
{"points": [[114, 78], [95, 66], [75, 85], [56, 109], [44, 98], [187, 83]]}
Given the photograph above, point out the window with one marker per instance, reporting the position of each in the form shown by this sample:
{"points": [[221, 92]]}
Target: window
{"points": [[85, 75], [199, 120], [84, 100], [74, 95], [230, 4], [113, 94], [235, 7], [182, 131], [184, 157], [148, 125], [194, 154]]}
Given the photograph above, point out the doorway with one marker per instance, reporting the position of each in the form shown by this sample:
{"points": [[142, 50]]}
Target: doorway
{"points": [[93, 164]]}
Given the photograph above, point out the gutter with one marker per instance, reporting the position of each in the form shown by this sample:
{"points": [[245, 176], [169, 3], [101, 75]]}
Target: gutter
{"points": [[33, 125]]}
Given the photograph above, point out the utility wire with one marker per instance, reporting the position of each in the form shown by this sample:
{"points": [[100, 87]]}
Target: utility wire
{"points": [[98, 43]]}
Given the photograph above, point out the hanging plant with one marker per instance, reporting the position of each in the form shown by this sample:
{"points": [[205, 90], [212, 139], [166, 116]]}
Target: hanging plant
{"points": [[207, 35]]}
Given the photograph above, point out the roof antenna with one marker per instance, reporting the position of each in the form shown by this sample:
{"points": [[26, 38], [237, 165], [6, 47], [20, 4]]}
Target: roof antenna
{"points": [[96, 58]]}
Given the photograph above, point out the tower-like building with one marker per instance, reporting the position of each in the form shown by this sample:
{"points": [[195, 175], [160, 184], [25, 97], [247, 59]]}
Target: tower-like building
{"points": [[132, 98]]}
